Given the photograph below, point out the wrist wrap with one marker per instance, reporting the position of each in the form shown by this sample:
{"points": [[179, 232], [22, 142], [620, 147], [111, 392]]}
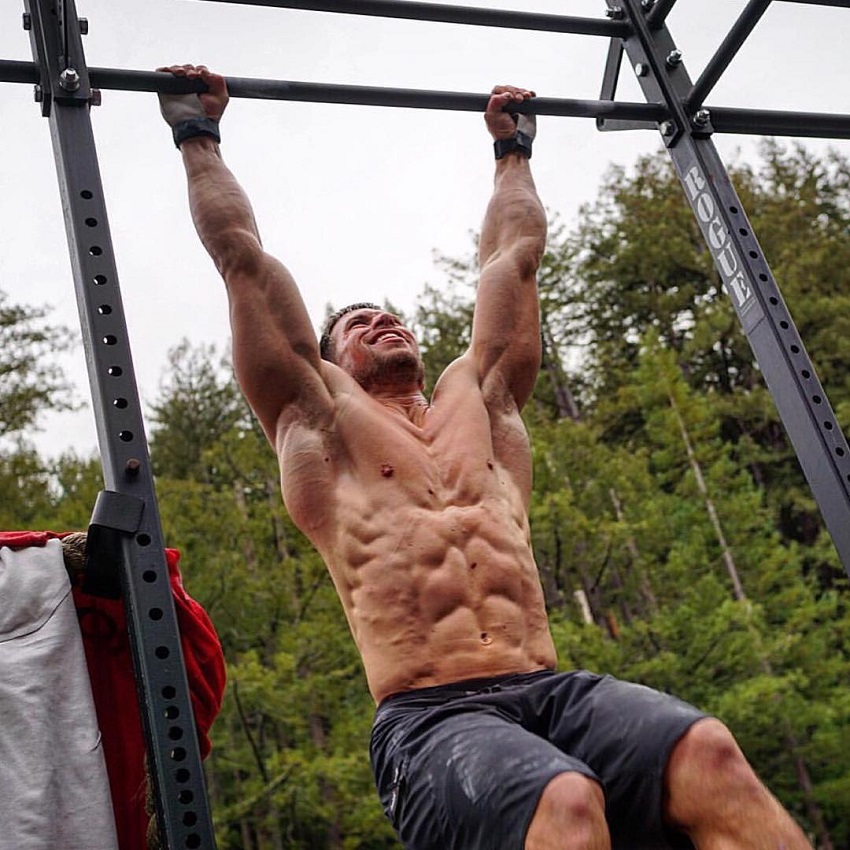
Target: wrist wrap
{"points": [[192, 127], [521, 143]]}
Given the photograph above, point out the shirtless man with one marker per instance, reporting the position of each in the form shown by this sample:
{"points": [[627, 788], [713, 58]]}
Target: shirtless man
{"points": [[419, 509]]}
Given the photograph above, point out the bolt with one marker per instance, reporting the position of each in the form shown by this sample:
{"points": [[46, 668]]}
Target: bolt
{"points": [[133, 466], [702, 117], [69, 79], [615, 13], [84, 26], [674, 59], [667, 128], [641, 69], [96, 98], [646, 5], [27, 21], [38, 94]]}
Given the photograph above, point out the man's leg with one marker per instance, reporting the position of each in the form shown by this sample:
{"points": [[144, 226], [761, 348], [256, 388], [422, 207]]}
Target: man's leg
{"points": [[713, 795], [569, 816]]}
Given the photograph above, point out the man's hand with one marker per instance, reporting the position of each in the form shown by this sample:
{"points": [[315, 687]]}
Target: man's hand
{"points": [[179, 108], [504, 125]]}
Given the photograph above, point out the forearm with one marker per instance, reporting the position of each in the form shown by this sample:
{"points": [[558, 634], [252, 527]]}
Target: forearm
{"points": [[220, 209], [515, 221]]}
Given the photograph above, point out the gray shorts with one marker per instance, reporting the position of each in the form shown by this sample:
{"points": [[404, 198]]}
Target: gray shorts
{"points": [[462, 766]]}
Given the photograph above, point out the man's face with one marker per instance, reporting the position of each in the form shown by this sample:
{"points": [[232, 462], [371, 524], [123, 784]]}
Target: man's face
{"points": [[373, 346]]}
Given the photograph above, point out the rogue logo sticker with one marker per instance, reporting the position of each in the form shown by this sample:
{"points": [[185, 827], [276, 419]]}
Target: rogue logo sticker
{"points": [[738, 285]]}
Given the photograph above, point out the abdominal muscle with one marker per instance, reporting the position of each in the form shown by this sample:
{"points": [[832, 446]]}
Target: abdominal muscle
{"points": [[423, 526], [445, 593]]}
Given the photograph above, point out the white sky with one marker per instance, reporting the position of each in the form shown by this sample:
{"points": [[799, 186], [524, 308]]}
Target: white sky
{"points": [[353, 199]]}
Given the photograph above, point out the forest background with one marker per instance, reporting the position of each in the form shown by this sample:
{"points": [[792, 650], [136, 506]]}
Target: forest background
{"points": [[678, 543]]}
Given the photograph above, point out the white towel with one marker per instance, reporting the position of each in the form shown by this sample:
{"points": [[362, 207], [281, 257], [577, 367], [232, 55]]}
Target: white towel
{"points": [[54, 790]]}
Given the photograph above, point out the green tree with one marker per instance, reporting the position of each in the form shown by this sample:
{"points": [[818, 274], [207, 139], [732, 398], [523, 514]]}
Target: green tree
{"points": [[30, 379], [31, 382], [198, 402], [25, 493]]}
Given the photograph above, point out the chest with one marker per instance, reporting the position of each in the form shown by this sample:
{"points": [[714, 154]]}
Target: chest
{"points": [[448, 454], [374, 459]]}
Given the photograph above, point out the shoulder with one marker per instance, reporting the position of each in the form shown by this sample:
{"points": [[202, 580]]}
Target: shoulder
{"points": [[461, 372], [329, 402], [465, 380], [314, 403]]}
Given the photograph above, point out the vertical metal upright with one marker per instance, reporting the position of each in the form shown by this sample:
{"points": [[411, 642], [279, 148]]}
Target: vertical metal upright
{"points": [[802, 404], [125, 524]]}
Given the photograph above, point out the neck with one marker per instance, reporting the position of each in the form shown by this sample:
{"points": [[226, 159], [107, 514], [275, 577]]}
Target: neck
{"points": [[393, 387], [401, 398], [411, 403]]}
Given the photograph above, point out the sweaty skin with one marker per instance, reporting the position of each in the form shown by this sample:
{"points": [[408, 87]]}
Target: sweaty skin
{"points": [[418, 508], [419, 511]]}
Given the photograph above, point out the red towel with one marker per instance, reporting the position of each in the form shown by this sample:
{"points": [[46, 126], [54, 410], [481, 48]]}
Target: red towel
{"points": [[107, 646]]}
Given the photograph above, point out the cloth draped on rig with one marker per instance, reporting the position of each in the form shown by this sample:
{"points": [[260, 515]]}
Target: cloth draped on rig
{"points": [[68, 703]]}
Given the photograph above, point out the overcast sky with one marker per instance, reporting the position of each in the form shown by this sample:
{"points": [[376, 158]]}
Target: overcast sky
{"points": [[354, 200]]}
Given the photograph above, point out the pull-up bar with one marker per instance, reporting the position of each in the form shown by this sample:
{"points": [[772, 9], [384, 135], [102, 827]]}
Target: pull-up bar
{"points": [[724, 119], [767, 122], [259, 89]]}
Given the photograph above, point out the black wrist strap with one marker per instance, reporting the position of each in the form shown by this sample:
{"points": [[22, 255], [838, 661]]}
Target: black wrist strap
{"points": [[192, 127], [520, 143]]}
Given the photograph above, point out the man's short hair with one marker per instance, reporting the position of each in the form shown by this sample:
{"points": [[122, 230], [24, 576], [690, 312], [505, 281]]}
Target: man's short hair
{"points": [[325, 342]]}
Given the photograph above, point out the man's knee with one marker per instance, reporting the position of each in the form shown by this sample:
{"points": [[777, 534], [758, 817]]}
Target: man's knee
{"points": [[707, 769], [570, 814]]}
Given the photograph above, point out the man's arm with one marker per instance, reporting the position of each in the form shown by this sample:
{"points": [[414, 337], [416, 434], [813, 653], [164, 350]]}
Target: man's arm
{"points": [[506, 325], [275, 351]]}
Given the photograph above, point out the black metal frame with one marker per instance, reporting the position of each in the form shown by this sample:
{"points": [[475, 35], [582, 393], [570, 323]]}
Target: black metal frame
{"points": [[125, 519], [125, 547]]}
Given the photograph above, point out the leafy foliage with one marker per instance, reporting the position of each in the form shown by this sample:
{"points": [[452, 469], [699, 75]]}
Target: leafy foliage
{"points": [[30, 380], [677, 543]]}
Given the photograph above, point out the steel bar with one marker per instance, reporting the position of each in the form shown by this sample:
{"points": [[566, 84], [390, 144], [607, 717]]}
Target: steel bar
{"points": [[420, 99], [151, 81], [451, 14], [725, 119], [802, 405], [171, 741], [658, 14], [12, 71], [726, 52], [774, 123]]}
